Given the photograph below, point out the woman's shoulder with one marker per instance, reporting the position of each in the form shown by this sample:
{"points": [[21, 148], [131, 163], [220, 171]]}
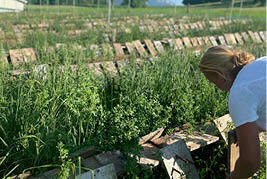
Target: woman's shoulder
{"points": [[255, 73]]}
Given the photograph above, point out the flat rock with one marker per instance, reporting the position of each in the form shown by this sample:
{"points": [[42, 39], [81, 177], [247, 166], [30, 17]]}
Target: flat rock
{"points": [[193, 141], [224, 125], [187, 42], [230, 39], [150, 47], [130, 47], [263, 36], [118, 49], [178, 161], [20, 56], [245, 36], [159, 46], [213, 41], [104, 172], [151, 136], [194, 42], [206, 41], [179, 43], [221, 40], [141, 50], [239, 38], [106, 158]]}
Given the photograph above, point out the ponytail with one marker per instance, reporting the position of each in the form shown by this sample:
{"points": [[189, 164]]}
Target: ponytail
{"points": [[224, 61]]}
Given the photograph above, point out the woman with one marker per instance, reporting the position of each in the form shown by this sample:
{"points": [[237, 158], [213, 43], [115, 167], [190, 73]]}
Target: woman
{"points": [[245, 78]]}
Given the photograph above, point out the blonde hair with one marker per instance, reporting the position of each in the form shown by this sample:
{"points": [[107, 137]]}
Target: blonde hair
{"points": [[224, 61]]}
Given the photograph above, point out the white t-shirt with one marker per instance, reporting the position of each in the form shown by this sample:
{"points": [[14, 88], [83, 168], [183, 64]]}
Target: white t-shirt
{"points": [[247, 98]]}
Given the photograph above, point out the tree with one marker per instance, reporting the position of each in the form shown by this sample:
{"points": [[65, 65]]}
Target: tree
{"points": [[135, 3], [185, 2]]}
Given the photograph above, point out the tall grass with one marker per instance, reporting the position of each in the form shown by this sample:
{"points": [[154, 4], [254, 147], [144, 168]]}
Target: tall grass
{"points": [[79, 108]]}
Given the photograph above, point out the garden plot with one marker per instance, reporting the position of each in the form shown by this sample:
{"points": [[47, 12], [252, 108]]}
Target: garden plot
{"points": [[149, 47]]}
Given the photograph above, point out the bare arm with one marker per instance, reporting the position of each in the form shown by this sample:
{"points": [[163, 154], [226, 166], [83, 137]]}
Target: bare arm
{"points": [[249, 146]]}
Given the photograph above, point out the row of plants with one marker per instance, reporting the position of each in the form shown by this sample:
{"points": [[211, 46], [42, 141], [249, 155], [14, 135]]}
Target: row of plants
{"points": [[58, 33], [40, 119]]}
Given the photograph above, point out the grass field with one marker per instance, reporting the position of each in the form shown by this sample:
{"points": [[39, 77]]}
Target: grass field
{"points": [[210, 11], [41, 121]]}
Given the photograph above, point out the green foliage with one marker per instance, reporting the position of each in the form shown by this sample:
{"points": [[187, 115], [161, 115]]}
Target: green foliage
{"points": [[198, 1], [135, 3]]}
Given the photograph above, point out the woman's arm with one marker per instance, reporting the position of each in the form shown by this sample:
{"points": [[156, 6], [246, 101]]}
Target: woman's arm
{"points": [[249, 146]]}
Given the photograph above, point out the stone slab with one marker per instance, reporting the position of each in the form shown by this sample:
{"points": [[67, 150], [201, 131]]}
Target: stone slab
{"points": [[178, 161], [141, 50], [179, 43], [159, 46], [221, 40], [118, 49], [230, 39], [130, 47], [224, 125], [153, 135], [245, 36], [238, 38], [20, 56], [104, 172], [187, 42], [150, 47], [200, 41], [263, 36], [172, 44], [106, 158], [194, 42], [149, 156], [206, 40], [257, 37], [193, 141], [213, 41], [252, 36]]}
